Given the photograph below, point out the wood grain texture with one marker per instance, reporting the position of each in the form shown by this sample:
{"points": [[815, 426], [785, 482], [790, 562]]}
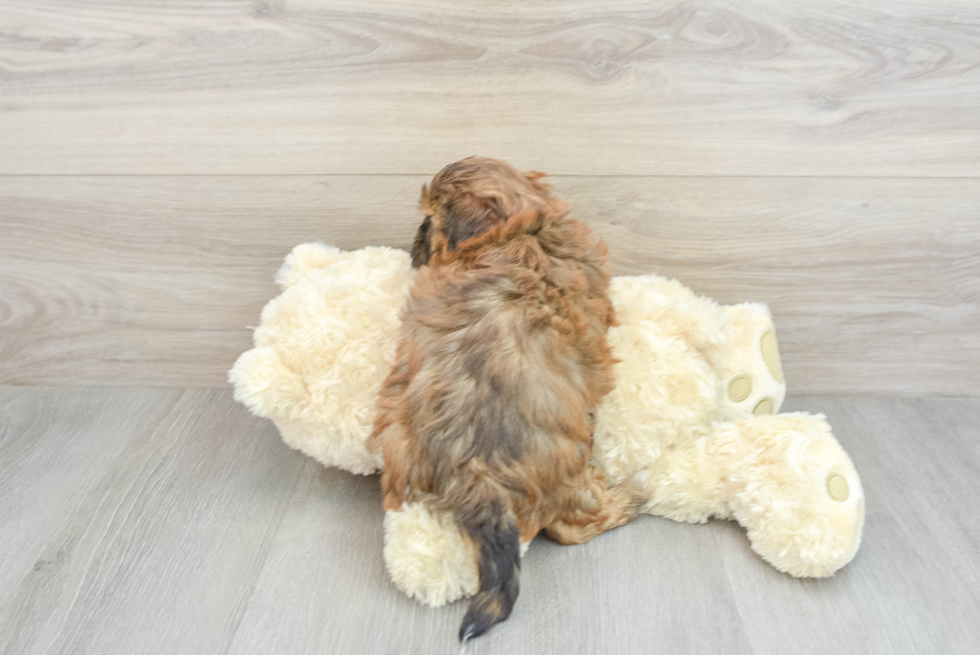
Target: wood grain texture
{"points": [[134, 521], [170, 521], [57, 450], [325, 589], [670, 87], [874, 283]]}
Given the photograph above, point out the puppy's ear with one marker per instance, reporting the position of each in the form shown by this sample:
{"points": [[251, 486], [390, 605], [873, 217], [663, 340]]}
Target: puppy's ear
{"points": [[552, 205], [473, 218], [536, 179], [422, 248]]}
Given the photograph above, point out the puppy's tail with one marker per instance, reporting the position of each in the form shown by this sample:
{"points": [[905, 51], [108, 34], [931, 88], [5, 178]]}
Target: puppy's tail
{"points": [[493, 530]]}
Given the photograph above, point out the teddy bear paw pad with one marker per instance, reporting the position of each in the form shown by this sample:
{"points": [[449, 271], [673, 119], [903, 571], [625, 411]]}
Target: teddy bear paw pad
{"points": [[770, 353], [837, 487], [740, 388]]}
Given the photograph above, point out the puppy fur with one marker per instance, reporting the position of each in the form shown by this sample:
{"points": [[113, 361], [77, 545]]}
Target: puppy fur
{"points": [[502, 359]]}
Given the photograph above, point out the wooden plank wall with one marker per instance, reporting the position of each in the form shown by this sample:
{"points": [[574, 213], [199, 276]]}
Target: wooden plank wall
{"points": [[158, 158]]}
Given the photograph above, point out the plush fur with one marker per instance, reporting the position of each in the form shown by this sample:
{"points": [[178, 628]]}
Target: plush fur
{"points": [[669, 424], [428, 558]]}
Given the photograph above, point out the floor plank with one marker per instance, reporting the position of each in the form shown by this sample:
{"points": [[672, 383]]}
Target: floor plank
{"points": [[325, 589], [672, 87], [875, 283], [57, 448], [166, 521], [155, 545]]}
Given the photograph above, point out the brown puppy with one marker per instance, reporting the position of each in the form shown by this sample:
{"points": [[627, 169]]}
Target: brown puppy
{"points": [[502, 358]]}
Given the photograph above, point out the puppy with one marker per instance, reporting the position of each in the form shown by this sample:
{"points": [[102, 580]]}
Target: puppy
{"points": [[501, 361]]}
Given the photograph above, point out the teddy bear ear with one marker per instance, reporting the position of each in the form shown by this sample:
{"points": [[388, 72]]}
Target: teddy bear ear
{"points": [[304, 258], [264, 384]]}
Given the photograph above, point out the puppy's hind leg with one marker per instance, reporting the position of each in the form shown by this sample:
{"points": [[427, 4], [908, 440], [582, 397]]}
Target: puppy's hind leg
{"points": [[595, 509]]}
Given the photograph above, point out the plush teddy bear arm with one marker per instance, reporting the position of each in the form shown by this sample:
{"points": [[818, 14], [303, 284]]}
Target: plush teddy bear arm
{"points": [[428, 558]]}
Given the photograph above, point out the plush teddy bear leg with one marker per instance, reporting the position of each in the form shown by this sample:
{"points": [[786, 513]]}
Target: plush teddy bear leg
{"points": [[796, 492], [784, 478], [753, 375]]}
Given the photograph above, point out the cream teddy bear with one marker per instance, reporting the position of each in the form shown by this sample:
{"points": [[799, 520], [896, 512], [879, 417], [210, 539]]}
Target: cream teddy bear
{"points": [[692, 418]]}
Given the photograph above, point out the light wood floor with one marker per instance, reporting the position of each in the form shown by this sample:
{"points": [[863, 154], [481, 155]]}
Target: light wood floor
{"points": [[158, 158], [171, 521]]}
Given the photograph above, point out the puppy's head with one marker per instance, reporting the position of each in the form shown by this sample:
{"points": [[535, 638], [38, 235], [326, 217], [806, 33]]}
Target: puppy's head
{"points": [[467, 198]]}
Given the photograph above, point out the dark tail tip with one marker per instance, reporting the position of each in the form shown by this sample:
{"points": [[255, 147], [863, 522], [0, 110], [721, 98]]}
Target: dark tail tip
{"points": [[500, 561], [474, 625], [486, 610]]}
